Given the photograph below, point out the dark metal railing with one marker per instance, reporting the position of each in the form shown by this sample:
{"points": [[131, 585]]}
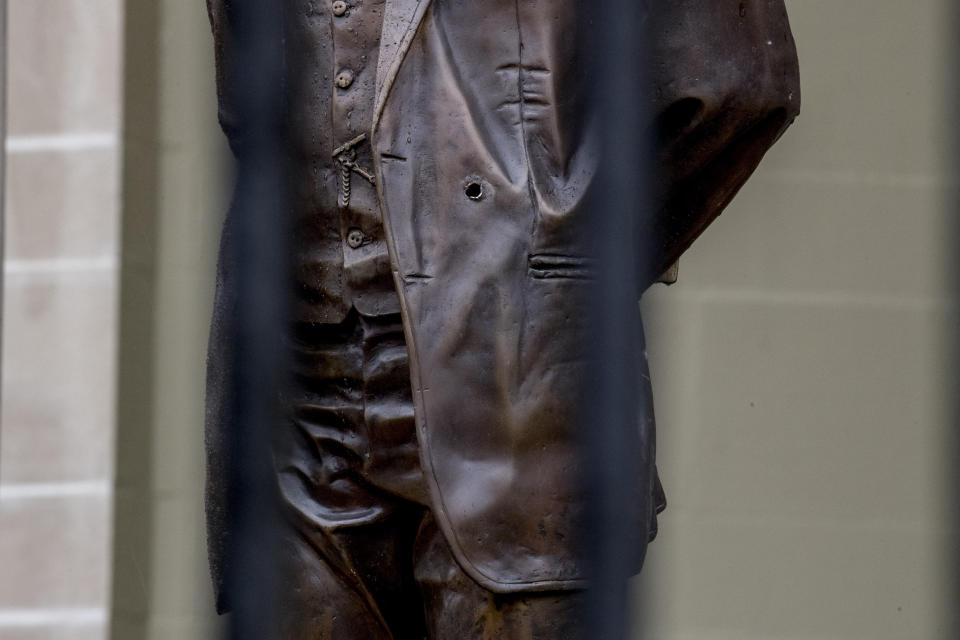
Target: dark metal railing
{"points": [[257, 258], [613, 401]]}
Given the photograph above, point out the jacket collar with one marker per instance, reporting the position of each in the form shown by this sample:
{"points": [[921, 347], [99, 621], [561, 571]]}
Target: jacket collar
{"points": [[400, 21]]}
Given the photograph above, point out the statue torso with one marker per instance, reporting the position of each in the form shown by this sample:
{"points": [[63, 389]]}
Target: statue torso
{"points": [[331, 67]]}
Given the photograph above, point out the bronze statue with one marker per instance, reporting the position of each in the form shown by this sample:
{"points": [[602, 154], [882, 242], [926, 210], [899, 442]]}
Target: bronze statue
{"points": [[427, 466]]}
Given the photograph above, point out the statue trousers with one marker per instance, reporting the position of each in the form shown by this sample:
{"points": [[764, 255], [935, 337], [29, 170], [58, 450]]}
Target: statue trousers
{"points": [[364, 558]]}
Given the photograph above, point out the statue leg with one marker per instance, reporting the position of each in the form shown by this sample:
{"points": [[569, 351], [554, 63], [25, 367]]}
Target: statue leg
{"points": [[457, 608], [322, 602], [355, 583], [349, 481]]}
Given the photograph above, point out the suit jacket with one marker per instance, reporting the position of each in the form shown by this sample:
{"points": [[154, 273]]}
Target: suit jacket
{"points": [[484, 164]]}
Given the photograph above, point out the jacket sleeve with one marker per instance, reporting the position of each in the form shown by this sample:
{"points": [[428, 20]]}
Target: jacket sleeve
{"points": [[219, 351], [738, 91], [221, 17]]}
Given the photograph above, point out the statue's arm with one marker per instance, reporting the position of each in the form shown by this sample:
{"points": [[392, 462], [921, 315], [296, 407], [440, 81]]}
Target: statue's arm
{"points": [[219, 349], [739, 90], [221, 19]]}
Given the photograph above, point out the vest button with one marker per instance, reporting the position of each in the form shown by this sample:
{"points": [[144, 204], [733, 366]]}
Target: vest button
{"points": [[339, 8], [344, 79], [355, 238]]}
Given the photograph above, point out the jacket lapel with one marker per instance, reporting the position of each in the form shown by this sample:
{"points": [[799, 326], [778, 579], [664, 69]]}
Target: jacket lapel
{"points": [[400, 21]]}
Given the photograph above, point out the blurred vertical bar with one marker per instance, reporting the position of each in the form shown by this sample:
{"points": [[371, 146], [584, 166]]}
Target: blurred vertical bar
{"points": [[611, 408], [952, 491], [3, 156], [258, 260]]}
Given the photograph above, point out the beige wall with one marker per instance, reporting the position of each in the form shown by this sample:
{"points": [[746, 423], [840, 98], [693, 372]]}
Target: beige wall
{"points": [[173, 202], [798, 363], [59, 326]]}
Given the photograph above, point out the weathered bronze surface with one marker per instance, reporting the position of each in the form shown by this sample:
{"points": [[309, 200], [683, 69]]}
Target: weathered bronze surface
{"points": [[440, 156]]}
